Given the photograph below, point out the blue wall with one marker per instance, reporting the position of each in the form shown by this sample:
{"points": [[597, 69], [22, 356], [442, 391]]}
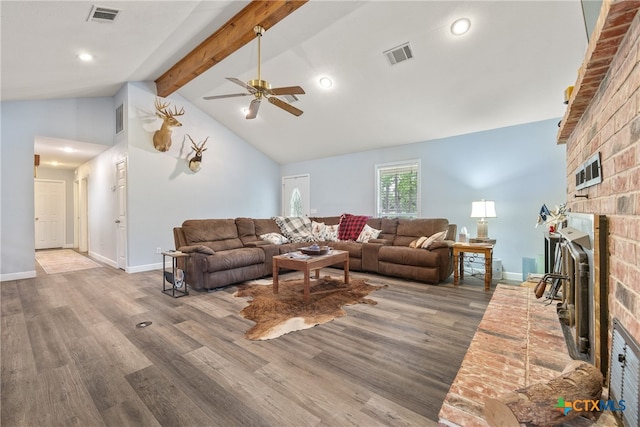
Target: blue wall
{"points": [[520, 167]]}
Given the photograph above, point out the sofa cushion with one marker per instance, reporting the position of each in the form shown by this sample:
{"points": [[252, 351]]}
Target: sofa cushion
{"points": [[236, 258], [410, 229], [351, 226], [388, 227], [218, 234], [265, 225], [295, 228], [246, 230], [408, 256], [354, 249]]}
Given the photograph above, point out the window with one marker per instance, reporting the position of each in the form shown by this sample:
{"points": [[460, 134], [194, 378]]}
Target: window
{"points": [[296, 203], [398, 189]]}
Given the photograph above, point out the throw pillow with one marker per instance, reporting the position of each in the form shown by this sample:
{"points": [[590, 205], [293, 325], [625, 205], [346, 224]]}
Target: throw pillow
{"points": [[274, 238], [367, 233], [437, 237], [295, 228], [351, 226], [331, 233], [318, 230], [418, 242]]}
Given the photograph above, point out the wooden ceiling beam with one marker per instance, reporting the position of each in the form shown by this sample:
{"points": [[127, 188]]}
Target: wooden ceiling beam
{"points": [[234, 34]]}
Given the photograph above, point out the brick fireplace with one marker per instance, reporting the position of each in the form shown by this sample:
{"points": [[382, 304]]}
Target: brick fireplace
{"points": [[603, 120]]}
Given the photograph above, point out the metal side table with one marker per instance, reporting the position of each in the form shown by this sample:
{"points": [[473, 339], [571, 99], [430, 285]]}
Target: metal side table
{"points": [[179, 287]]}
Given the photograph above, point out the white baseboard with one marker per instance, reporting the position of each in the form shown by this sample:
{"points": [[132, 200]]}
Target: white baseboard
{"points": [[17, 276], [102, 259], [506, 275], [142, 268]]}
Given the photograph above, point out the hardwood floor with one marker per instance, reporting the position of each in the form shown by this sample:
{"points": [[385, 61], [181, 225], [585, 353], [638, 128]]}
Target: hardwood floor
{"points": [[72, 355]]}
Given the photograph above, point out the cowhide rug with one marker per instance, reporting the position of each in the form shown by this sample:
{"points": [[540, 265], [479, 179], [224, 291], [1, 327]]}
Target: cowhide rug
{"points": [[286, 311]]}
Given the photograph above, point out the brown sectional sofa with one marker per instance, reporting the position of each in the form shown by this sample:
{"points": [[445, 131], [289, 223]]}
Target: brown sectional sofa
{"points": [[228, 251]]}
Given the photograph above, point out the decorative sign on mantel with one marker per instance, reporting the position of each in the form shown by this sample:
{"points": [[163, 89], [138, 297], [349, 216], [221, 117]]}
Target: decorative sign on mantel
{"points": [[589, 173]]}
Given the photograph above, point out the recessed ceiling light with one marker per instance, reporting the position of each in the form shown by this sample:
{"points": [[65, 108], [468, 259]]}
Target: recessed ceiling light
{"points": [[85, 57], [54, 163], [68, 150], [325, 82], [460, 26]]}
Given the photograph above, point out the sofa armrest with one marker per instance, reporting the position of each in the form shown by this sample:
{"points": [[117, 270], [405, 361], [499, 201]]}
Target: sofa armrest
{"points": [[196, 248], [442, 244]]}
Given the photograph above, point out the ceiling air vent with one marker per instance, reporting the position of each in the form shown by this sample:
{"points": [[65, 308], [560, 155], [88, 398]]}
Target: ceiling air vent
{"points": [[103, 14], [290, 98], [399, 54]]}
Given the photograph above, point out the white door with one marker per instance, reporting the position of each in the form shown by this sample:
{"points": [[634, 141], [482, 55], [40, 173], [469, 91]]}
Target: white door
{"points": [[121, 221], [295, 195], [49, 213]]}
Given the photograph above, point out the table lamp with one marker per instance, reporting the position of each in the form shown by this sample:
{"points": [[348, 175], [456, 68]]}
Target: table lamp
{"points": [[483, 209]]}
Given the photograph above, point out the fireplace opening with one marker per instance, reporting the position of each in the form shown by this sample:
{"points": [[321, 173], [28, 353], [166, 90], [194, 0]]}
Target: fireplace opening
{"points": [[582, 309], [575, 309]]}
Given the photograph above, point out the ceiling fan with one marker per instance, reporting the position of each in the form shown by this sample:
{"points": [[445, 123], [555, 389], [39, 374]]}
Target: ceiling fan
{"points": [[262, 89]]}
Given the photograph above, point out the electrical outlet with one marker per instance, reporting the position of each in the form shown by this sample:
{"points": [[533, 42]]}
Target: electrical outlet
{"points": [[158, 250]]}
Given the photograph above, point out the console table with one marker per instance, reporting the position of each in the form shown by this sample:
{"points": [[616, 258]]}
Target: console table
{"points": [[459, 250]]}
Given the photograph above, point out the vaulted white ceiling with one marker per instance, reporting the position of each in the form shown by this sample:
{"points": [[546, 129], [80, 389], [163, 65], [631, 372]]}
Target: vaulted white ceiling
{"points": [[512, 66]]}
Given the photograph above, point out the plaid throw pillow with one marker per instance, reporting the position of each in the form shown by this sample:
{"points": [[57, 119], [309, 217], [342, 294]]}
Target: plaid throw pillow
{"points": [[351, 226], [295, 228]]}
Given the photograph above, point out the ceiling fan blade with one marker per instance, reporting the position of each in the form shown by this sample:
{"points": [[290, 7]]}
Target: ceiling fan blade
{"points": [[286, 107], [253, 109], [239, 82], [231, 95], [289, 90]]}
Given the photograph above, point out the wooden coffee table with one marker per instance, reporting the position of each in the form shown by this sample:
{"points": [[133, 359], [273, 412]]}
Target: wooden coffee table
{"points": [[314, 262]]}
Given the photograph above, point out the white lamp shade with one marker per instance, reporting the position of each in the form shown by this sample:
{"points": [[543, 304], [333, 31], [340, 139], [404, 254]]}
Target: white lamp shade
{"points": [[483, 209]]}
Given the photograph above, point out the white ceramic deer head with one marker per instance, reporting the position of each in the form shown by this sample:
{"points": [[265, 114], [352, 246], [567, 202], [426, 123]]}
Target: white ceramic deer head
{"points": [[196, 160], [162, 137]]}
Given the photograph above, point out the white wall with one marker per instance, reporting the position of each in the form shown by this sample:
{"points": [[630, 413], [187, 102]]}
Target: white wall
{"points": [[235, 179], [520, 167], [85, 119]]}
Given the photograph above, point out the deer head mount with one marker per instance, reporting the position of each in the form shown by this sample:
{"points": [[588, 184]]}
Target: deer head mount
{"points": [[196, 160], [162, 137]]}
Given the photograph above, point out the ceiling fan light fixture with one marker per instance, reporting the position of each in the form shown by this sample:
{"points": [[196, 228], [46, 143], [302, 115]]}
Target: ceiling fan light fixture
{"points": [[460, 26], [325, 82]]}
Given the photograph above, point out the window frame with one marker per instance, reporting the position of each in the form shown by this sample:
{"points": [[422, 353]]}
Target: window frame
{"points": [[380, 169]]}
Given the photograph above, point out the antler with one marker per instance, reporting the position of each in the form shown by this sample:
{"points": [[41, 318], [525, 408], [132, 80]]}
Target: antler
{"points": [[203, 142], [160, 106], [162, 109], [199, 149]]}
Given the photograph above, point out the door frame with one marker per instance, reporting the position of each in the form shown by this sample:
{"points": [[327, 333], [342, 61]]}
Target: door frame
{"points": [[121, 222]]}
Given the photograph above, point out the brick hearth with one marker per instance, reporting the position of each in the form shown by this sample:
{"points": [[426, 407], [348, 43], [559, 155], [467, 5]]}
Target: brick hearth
{"points": [[519, 342]]}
